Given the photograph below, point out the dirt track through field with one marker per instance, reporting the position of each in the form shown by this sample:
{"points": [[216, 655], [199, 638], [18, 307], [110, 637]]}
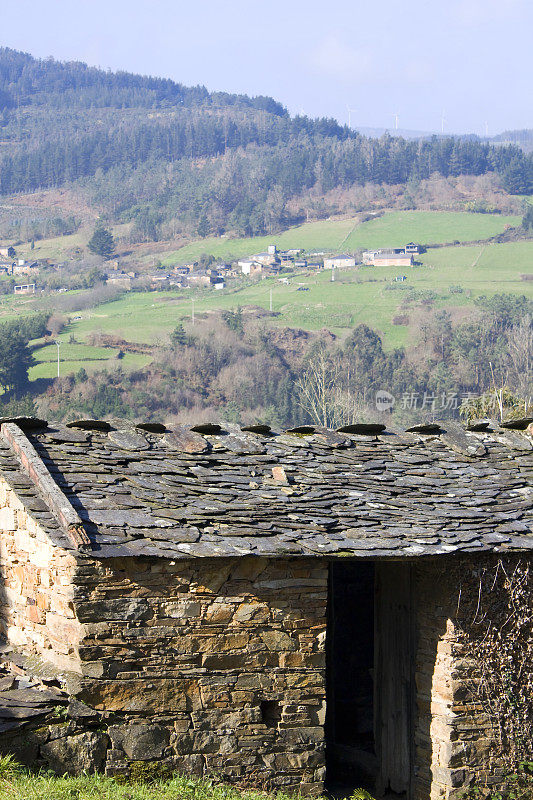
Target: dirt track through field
{"points": [[476, 260]]}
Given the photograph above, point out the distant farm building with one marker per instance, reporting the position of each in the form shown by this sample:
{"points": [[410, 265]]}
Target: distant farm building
{"points": [[339, 262], [25, 288], [22, 268], [269, 257], [250, 266], [387, 258], [121, 279], [200, 279]]}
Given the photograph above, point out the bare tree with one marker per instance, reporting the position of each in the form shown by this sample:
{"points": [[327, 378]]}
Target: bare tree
{"points": [[315, 388], [323, 395], [520, 348]]}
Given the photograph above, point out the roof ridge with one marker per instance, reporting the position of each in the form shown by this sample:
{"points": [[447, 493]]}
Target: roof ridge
{"points": [[33, 466]]}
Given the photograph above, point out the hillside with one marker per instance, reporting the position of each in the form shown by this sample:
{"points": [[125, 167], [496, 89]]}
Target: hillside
{"points": [[450, 279], [523, 138], [170, 157]]}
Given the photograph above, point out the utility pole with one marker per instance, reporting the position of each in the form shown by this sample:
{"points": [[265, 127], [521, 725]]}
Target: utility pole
{"points": [[58, 343], [271, 300]]}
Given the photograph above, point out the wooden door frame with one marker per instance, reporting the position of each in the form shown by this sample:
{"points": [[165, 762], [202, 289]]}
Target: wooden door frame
{"points": [[386, 672]]}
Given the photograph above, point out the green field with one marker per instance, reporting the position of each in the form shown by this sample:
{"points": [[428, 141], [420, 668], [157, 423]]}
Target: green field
{"points": [[73, 357], [393, 229], [367, 294], [427, 227], [325, 235], [60, 247]]}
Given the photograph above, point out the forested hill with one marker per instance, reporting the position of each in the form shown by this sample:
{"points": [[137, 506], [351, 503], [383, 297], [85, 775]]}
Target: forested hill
{"points": [[25, 81], [152, 149], [523, 138]]}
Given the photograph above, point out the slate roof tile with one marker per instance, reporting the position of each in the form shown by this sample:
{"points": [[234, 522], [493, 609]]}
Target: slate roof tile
{"points": [[215, 492]]}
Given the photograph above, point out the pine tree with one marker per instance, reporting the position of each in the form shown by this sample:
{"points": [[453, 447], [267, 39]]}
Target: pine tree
{"points": [[527, 220], [101, 242], [203, 226], [178, 336], [15, 360]]}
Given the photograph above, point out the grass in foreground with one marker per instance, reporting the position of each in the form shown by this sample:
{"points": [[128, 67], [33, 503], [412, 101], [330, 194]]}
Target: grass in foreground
{"points": [[18, 783]]}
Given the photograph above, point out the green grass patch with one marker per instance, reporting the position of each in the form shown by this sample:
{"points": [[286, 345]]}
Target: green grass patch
{"points": [[323, 235], [72, 352], [60, 247], [393, 229], [427, 227], [130, 363], [74, 357], [19, 784]]}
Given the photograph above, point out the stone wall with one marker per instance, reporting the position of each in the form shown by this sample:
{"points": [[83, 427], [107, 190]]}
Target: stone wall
{"points": [[36, 587], [217, 665], [209, 666], [457, 738]]}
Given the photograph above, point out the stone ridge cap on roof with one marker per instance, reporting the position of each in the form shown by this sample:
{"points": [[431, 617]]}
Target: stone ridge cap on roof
{"points": [[466, 439], [33, 424]]}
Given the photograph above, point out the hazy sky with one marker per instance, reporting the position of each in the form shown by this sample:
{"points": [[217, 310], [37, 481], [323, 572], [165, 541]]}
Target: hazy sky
{"points": [[471, 59]]}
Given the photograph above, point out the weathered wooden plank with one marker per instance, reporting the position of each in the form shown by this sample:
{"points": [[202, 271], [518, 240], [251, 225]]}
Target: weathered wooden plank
{"points": [[34, 468], [393, 675]]}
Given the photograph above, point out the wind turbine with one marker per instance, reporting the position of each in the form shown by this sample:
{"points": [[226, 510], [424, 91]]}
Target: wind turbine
{"points": [[350, 112], [396, 120], [442, 121], [487, 130]]}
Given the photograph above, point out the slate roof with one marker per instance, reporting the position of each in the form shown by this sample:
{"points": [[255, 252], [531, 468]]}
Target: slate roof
{"points": [[202, 492]]}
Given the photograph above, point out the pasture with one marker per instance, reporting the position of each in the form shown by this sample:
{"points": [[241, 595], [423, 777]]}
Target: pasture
{"points": [[452, 277], [74, 357], [393, 229], [448, 278]]}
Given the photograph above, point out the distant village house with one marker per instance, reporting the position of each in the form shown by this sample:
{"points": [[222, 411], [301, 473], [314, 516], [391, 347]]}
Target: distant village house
{"points": [[121, 279], [339, 262], [387, 258], [250, 267], [26, 288]]}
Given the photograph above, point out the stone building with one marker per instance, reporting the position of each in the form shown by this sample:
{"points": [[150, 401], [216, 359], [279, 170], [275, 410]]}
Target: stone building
{"points": [[279, 609]]}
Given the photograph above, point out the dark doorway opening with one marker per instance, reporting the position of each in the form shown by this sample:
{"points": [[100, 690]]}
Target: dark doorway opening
{"points": [[350, 746], [370, 678]]}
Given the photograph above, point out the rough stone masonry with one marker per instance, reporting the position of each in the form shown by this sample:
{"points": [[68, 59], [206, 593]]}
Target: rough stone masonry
{"points": [[168, 590]]}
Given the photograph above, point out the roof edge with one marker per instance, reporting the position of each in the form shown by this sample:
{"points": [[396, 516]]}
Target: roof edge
{"points": [[33, 466]]}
